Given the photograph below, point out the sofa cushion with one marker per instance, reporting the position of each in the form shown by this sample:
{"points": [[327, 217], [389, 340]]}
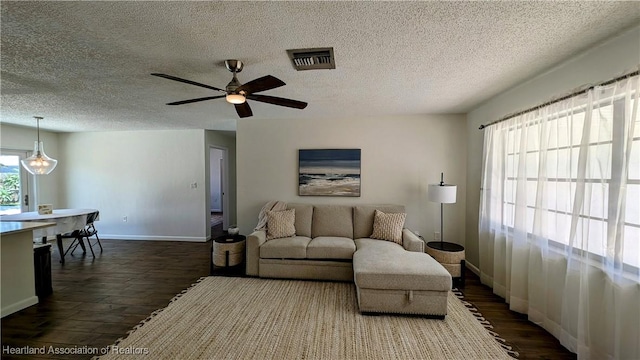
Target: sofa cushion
{"points": [[363, 216], [280, 224], [332, 220], [378, 245], [294, 247], [379, 264], [331, 247], [304, 213], [388, 226]]}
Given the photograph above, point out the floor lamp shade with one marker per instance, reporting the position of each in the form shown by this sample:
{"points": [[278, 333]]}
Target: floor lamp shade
{"points": [[444, 194]]}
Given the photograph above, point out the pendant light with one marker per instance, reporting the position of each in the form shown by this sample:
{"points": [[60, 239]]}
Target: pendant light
{"points": [[39, 163]]}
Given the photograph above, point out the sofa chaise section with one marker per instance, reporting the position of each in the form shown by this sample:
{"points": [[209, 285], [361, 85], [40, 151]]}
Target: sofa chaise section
{"points": [[390, 279]]}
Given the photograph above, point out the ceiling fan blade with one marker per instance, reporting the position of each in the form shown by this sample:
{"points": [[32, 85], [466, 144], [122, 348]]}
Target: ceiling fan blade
{"points": [[261, 84], [186, 81], [243, 110], [278, 101], [195, 100]]}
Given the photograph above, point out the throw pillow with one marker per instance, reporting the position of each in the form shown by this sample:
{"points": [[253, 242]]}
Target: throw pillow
{"points": [[281, 224], [388, 226]]}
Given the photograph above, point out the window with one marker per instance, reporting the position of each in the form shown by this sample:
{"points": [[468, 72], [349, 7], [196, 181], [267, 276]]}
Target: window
{"points": [[547, 162]]}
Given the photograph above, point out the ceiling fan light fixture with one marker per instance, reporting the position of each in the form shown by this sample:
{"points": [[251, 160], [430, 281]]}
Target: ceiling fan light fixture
{"points": [[236, 98], [237, 93]]}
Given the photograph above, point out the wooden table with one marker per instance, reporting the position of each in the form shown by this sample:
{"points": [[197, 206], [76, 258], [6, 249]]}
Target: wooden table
{"points": [[64, 220]]}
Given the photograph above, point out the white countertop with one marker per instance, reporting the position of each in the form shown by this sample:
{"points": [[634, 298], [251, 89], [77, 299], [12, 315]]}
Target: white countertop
{"points": [[13, 227], [64, 220], [57, 213]]}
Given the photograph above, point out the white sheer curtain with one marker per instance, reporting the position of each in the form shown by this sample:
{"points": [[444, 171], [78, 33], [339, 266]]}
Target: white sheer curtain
{"points": [[560, 219]]}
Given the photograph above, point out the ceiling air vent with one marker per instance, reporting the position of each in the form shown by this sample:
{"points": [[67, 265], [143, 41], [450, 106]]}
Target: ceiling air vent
{"points": [[312, 59]]}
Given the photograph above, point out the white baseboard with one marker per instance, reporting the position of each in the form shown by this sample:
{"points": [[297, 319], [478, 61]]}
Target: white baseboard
{"points": [[22, 304], [154, 238], [472, 267]]}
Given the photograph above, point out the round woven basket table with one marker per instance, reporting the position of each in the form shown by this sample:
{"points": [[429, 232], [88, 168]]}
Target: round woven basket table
{"points": [[449, 255], [228, 250]]}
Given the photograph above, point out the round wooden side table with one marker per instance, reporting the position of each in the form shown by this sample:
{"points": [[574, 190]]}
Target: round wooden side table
{"points": [[228, 250], [450, 256]]}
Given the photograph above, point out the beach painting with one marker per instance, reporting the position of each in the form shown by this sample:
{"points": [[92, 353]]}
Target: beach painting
{"points": [[329, 172]]}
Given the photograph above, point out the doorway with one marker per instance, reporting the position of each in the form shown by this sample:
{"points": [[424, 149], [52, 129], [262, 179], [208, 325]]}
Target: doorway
{"points": [[218, 169], [14, 183]]}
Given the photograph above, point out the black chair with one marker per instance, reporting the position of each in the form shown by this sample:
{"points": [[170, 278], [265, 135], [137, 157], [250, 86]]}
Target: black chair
{"points": [[79, 235], [74, 244], [90, 231]]}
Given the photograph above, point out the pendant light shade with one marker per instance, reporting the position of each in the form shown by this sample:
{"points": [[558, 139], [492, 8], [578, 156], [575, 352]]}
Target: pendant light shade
{"points": [[39, 163]]}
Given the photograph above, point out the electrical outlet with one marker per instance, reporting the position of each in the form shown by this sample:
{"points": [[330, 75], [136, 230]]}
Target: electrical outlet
{"points": [[436, 235], [124, 218]]}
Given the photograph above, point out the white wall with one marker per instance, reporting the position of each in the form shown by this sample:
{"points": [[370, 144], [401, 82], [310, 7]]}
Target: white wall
{"points": [[119, 173], [600, 63], [22, 138], [143, 175], [400, 157]]}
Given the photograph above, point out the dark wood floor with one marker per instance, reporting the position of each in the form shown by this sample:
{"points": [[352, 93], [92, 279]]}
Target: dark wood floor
{"points": [[96, 301], [528, 339]]}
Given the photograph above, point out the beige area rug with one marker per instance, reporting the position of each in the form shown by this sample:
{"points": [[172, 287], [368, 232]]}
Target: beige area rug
{"points": [[249, 318]]}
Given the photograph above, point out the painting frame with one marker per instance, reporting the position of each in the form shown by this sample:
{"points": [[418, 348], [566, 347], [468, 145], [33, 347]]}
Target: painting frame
{"points": [[329, 172]]}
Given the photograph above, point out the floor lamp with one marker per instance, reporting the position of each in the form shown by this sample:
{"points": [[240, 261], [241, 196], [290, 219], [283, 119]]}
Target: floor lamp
{"points": [[444, 194]]}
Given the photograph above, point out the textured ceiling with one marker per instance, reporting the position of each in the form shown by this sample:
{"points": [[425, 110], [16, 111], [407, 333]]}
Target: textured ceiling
{"points": [[85, 66]]}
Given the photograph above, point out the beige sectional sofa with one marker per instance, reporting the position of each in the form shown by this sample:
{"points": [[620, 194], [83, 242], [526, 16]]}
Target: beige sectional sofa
{"points": [[332, 242]]}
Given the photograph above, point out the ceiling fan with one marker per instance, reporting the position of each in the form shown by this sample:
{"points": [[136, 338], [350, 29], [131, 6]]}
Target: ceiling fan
{"points": [[237, 93]]}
